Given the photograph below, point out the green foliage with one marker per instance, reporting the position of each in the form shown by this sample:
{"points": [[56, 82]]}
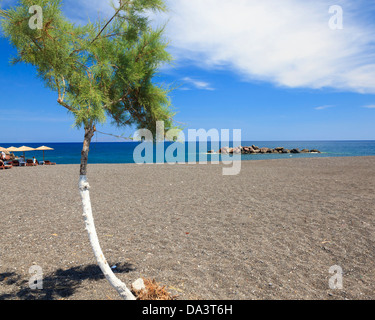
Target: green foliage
{"points": [[103, 69]]}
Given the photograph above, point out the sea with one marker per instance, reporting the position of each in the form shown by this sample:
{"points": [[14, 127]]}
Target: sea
{"points": [[122, 152]]}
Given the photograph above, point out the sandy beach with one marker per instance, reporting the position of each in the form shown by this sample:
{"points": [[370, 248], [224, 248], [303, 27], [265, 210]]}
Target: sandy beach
{"points": [[272, 232]]}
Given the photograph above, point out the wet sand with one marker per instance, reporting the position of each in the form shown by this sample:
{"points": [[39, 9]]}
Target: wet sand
{"points": [[271, 232]]}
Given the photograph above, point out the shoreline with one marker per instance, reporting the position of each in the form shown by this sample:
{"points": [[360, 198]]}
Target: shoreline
{"points": [[290, 158]]}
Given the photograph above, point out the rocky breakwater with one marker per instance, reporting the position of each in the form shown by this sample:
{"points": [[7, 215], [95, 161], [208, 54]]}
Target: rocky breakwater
{"points": [[256, 150]]}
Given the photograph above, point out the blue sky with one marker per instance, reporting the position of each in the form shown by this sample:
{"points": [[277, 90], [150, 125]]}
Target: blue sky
{"points": [[274, 69]]}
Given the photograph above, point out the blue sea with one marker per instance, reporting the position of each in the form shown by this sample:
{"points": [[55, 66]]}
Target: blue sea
{"points": [[122, 152]]}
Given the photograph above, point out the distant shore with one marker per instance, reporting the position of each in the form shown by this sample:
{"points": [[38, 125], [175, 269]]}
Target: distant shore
{"points": [[271, 232]]}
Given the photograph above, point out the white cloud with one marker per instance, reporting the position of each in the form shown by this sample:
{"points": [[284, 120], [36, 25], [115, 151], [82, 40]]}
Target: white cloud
{"points": [[371, 106], [324, 107], [201, 85], [288, 43]]}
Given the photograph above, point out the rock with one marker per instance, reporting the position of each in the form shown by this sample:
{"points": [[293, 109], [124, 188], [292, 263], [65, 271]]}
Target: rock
{"points": [[286, 151], [295, 151], [305, 151], [138, 285], [264, 150], [246, 150], [211, 151], [251, 150], [279, 149], [237, 150], [255, 147], [315, 151], [255, 151], [224, 150]]}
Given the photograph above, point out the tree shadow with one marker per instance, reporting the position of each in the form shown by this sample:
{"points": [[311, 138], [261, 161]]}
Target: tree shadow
{"points": [[56, 285]]}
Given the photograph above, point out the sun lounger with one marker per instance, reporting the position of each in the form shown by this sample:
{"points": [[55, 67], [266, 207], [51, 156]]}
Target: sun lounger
{"points": [[16, 163], [30, 163], [4, 166], [49, 163]]}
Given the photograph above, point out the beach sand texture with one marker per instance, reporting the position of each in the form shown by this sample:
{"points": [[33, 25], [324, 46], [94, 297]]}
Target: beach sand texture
{"points": [[272, 232]]}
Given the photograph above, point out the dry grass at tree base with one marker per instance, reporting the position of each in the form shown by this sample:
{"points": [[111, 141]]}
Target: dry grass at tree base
{"points": [[153, 291]]}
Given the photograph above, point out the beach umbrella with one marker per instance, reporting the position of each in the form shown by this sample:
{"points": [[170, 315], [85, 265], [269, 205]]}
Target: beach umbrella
{"points": [[12, 149], [43, 148], [24, 149], [4, 150]]}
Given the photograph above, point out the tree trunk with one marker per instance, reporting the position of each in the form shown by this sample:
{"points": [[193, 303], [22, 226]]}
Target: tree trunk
{"points": [[89, 221]]}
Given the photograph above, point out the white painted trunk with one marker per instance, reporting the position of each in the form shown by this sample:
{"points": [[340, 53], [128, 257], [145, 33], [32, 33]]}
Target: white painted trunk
{"points": [[90, 227]]}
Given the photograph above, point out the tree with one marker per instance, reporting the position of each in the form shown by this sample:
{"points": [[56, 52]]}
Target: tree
{"points": [[100, 70]]}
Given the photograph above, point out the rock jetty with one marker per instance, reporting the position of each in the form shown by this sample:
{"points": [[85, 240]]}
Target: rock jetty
{"points": [[256, 150]]}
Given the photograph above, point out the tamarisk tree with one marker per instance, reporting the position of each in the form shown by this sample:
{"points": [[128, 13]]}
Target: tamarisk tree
{"points": [[104, 69]]}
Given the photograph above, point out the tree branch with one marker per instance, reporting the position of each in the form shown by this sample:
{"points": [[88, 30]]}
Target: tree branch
{"points": [[109, 21], [119, 100], [61, 102]]}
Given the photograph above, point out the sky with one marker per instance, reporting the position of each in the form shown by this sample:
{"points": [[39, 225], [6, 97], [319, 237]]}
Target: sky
{"points": [[277, 70]]}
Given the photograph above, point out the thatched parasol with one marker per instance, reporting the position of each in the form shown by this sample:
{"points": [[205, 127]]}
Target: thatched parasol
{"points": [[12, 149], [6, 151], [43, 148], [24, 149]]}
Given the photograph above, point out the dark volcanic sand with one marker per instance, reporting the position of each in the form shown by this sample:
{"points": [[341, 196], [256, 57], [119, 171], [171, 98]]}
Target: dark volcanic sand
{"points": [[272, 232]]}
